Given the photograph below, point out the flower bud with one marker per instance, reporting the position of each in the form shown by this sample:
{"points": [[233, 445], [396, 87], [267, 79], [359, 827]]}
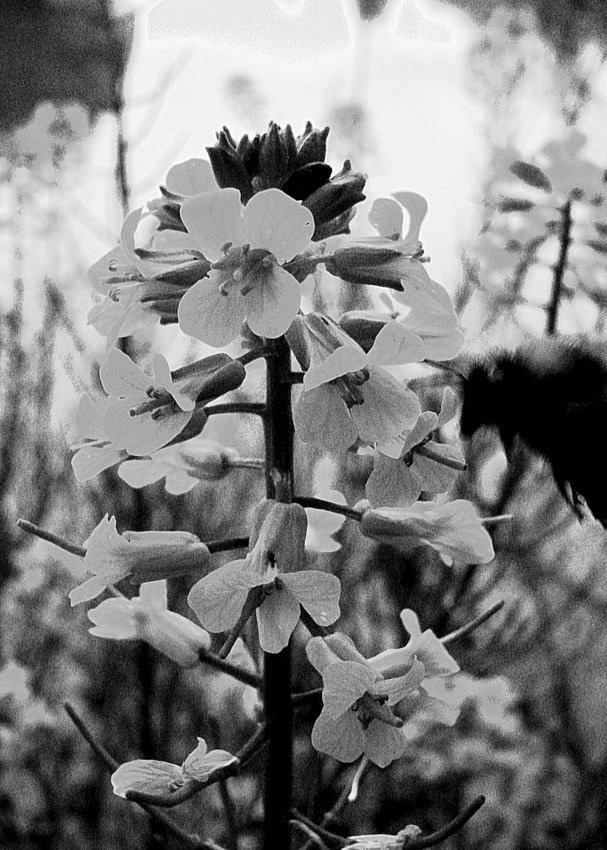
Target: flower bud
{"points": [[372, 262], [171, 634], [210, 377], [152, 555], [337, 196], [278, 537]]}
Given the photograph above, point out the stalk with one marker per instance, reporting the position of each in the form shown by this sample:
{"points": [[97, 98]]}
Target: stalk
{"points": [[278, 429]]}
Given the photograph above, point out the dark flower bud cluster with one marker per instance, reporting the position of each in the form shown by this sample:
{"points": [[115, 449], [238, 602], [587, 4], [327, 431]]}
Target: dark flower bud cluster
{"points": [[295, 165]]}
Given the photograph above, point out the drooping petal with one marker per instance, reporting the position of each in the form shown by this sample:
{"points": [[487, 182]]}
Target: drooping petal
{"points": [[191, 177], [214, 219], [141, 434], [147, 775], [383, 743], [317, 592], [344, 684], [396, 346], [89, 461], [113, 618], [163, 378], [178, 482], [272, 305], [89, 589], [140, 473], [121, 377], [417, 207], [388, 408], [218, 598], [277, 617], [276, 222], [386, 216], [209, 316], [346, 358], [89, 418], [320, 655], [320, 416], [391, 483], [153, 595], [342, 737]]}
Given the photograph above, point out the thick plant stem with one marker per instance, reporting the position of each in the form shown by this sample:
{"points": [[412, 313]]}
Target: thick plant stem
{"points": [[278, 423]]}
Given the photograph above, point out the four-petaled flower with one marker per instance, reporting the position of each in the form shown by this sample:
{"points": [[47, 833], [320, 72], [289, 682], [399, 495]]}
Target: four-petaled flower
{"points": [[357, 716], [143, 555], [247, 247], [347, 394], [182, 465], [414, 462], [146, 617], [274, 570], [149, 412], [163, 778], [454, 529]]}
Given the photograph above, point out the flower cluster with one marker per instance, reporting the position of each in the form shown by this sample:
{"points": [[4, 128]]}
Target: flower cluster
{"points": [[223, 253]]}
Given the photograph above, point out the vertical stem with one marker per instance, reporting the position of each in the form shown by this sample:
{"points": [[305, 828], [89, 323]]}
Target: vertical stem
{"points": [[278, 424], [559, 269]]}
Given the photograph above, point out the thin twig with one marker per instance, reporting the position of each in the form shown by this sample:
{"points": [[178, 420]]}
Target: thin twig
{"points": [[331, 507], [189, 839], [473, 624], [244, 676], [559, 269], [256, 408], [317, 830], [43, 534], [448, 830]]}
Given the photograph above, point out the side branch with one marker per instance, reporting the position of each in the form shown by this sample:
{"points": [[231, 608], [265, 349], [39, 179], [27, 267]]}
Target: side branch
{"points": [[190, 840], [448, 830], [473, 624], [244, 676], [331, 507]]}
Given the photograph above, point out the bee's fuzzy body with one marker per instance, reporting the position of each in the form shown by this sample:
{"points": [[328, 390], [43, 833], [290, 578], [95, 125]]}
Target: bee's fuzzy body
{"points": [[553, 394]]}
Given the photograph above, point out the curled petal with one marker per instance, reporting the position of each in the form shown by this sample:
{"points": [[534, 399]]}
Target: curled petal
{"points": [[346, 358]]}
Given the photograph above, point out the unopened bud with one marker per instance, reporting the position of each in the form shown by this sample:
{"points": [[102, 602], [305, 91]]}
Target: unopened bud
{"points": [[278, 537], [338, 196], [175, 636]]}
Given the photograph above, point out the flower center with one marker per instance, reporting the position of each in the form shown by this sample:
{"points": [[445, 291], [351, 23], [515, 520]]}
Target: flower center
{"points": [[350, 387], [373, 707], [161, 403], [243, 267]]}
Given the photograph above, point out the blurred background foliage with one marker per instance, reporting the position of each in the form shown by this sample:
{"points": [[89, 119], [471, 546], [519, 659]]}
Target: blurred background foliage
{"points": [[532, 736]]}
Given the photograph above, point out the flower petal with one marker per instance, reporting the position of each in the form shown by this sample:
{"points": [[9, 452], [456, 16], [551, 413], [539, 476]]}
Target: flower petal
{"points": [[277, 617], [218, 598], [191, 177], [320, 416], [391, 483], [89, 589], [346, 358], [417, 207], [113, 618], [208, 315], [201, 763], [341, 737], [274, 221], [344, 683], [396, 346], [147, 775], [120, 377], [142, 435], [383, 743], [89, 461], [386, 216], [388, 408], [213, 219], [272, 305], [317, 592], [140, 473]]}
